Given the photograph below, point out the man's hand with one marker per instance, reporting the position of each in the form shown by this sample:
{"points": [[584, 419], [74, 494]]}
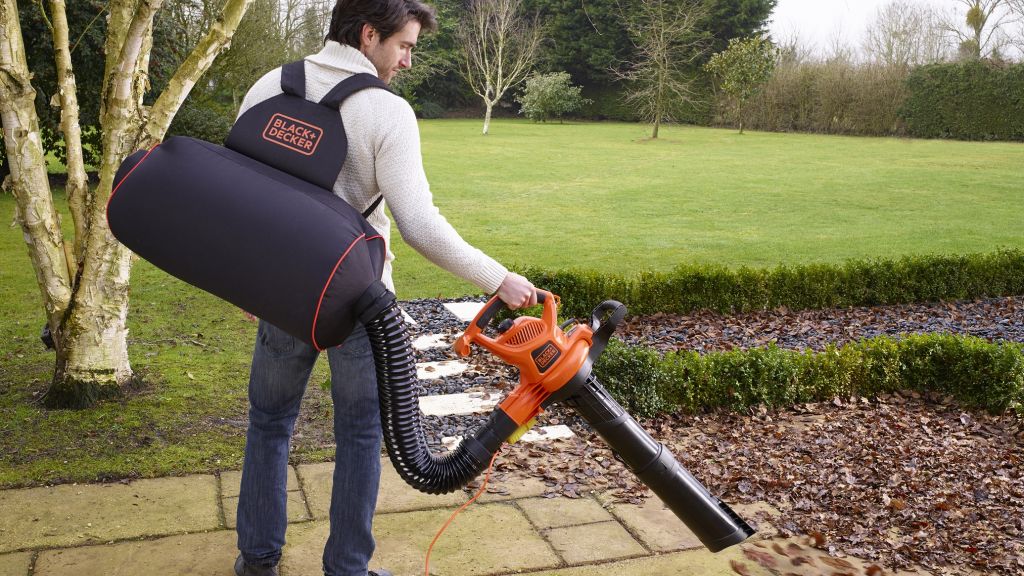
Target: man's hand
{"points": [[250, 317], [517, 292]]}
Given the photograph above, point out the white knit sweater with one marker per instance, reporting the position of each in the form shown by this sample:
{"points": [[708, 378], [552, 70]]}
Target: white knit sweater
{"points": [[384, 158]]}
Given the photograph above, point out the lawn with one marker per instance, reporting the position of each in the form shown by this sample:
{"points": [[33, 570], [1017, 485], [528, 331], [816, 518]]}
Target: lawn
{"points": [[596, 196], [604, 197]]}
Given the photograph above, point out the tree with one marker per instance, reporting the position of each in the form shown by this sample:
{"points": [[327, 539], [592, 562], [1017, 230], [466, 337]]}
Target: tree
{"points": [[660, 78], [499, 47], [986, 23], [550, 96], [85, 290], [904, 34], [743, 68], [728, 19]]}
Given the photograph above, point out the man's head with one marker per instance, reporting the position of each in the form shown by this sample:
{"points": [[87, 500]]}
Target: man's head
{"points": [[384, 30]]}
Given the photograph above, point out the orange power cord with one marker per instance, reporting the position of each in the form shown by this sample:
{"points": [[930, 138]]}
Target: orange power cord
{"points": [[487, 478]]}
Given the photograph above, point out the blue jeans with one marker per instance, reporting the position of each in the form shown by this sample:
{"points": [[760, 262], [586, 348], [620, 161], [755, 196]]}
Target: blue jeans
{"points": [[281, 366]]}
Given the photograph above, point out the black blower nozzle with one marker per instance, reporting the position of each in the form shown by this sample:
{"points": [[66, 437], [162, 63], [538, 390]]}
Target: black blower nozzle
{"points": [[710, 519]]}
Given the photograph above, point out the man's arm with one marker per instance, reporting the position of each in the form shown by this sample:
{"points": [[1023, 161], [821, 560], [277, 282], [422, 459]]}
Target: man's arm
{"points": [[401, 178]]}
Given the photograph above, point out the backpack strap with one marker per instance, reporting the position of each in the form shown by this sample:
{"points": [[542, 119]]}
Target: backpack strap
{"points": [[351, 85], [293, 78], [343, 90], [368, 211]]}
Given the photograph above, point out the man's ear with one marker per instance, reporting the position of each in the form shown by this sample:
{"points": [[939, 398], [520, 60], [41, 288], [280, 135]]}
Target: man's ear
{"points": [[367, 34]]}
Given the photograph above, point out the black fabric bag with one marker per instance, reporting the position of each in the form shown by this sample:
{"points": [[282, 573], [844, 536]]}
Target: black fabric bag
{"points": [[255, 221]]}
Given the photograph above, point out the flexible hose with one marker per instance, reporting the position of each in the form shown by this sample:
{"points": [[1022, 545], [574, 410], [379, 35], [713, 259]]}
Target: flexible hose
{"points": [[400, 415]]}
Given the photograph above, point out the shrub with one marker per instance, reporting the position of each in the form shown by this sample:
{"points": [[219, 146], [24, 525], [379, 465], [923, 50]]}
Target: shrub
{"points": [[692, 287], [975, 372], [202, 120], [549, 96], [973, 100]]}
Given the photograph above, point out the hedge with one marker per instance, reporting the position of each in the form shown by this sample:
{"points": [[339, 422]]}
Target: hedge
{"points": [[693, 287], [974, 100], [975, 372]]}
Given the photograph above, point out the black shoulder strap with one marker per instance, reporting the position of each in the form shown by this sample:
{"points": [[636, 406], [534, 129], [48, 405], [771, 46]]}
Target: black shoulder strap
{"points": [[351, 85], [343, 90], [368, 211], [293, 78]]}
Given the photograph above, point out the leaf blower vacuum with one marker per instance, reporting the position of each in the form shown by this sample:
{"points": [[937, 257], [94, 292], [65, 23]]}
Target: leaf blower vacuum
{"points": [[255, 222]]}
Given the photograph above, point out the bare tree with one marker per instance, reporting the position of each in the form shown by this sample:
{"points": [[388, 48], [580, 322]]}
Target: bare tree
{"points": [[905, 34], [499, 48], [666, 36], [85, 293], [981, 30]]}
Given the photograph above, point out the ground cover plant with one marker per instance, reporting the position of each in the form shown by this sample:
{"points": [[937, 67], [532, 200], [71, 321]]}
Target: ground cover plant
{"points": [[594, 196]]}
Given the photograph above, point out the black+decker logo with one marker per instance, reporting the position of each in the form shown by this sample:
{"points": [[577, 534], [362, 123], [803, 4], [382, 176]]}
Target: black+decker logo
{"points": [[293, 134], [545, 356]]}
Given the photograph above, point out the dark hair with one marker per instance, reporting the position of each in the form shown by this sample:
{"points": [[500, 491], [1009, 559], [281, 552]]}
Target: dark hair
{"points": [[386, 17]]}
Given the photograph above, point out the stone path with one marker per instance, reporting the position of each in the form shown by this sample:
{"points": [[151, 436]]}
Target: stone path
{"points": [[185, 526]]}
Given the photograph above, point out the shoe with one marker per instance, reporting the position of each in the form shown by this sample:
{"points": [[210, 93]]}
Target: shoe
{"points": [[380, 573], [244, 569]]}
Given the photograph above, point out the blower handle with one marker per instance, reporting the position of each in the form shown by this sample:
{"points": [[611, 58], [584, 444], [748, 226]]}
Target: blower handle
{"points": [[474, 332]]}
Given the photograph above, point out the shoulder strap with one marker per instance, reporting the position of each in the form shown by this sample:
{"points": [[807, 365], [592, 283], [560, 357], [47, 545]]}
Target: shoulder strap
{"points": [[293, 78], [368, 211], [343, 90], [351, 85]]}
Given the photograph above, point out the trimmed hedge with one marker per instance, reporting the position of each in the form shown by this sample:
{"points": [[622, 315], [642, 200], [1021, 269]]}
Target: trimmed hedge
{"points": [[813, 286], [977, 373], [974, 100]]}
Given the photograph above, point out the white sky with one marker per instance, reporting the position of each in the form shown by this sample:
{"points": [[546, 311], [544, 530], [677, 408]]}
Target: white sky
{"points": [[817, 22]]}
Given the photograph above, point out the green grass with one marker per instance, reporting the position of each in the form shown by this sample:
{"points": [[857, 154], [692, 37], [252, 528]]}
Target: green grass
{"points": [[604, 197], [596, 196]]}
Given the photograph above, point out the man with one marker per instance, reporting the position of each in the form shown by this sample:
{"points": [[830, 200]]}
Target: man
{"points": [[378, 37]]}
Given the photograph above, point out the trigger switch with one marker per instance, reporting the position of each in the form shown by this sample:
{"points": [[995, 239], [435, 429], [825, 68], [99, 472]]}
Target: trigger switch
{"points": [[505, 325]]}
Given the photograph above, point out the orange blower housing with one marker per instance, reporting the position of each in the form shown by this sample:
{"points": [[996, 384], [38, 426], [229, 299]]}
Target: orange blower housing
{"points": [[548, 358]]}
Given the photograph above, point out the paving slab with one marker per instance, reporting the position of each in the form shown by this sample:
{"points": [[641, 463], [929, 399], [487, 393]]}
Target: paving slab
{"points": [[73, 514], [464, 311], [394, 496], [655, 525], [428, 341], [438, 370], [485, 539], [560, 512], [231, 481], [15, 564], [203, 554], [511, 488], [296, 509], [689, 563], [458, 404], [594, 542]]}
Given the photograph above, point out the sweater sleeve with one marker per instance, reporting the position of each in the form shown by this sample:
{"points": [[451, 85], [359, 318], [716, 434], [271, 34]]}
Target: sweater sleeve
{"points": [[402, 181]]}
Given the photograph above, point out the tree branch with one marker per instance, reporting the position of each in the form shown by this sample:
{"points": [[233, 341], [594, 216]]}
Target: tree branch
{"points": [[217, 39], [78, 193]]}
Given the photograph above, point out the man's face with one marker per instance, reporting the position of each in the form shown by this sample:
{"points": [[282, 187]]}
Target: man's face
{"points": [[392, 54]]}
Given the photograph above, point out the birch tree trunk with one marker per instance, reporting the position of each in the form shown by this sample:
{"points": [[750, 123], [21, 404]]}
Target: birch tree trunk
{"points": [[499, 48], [487, 116], [86, 297]]}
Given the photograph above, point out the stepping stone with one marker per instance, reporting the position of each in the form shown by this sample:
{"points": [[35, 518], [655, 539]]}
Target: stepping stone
{"points": [[457, 404], [430, 341], [408, 319], [542, 434], [464, 311], [438, 370]]}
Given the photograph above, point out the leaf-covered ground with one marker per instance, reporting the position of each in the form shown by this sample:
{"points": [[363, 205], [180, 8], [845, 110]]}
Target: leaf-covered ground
{"points": [[899, 481]]}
